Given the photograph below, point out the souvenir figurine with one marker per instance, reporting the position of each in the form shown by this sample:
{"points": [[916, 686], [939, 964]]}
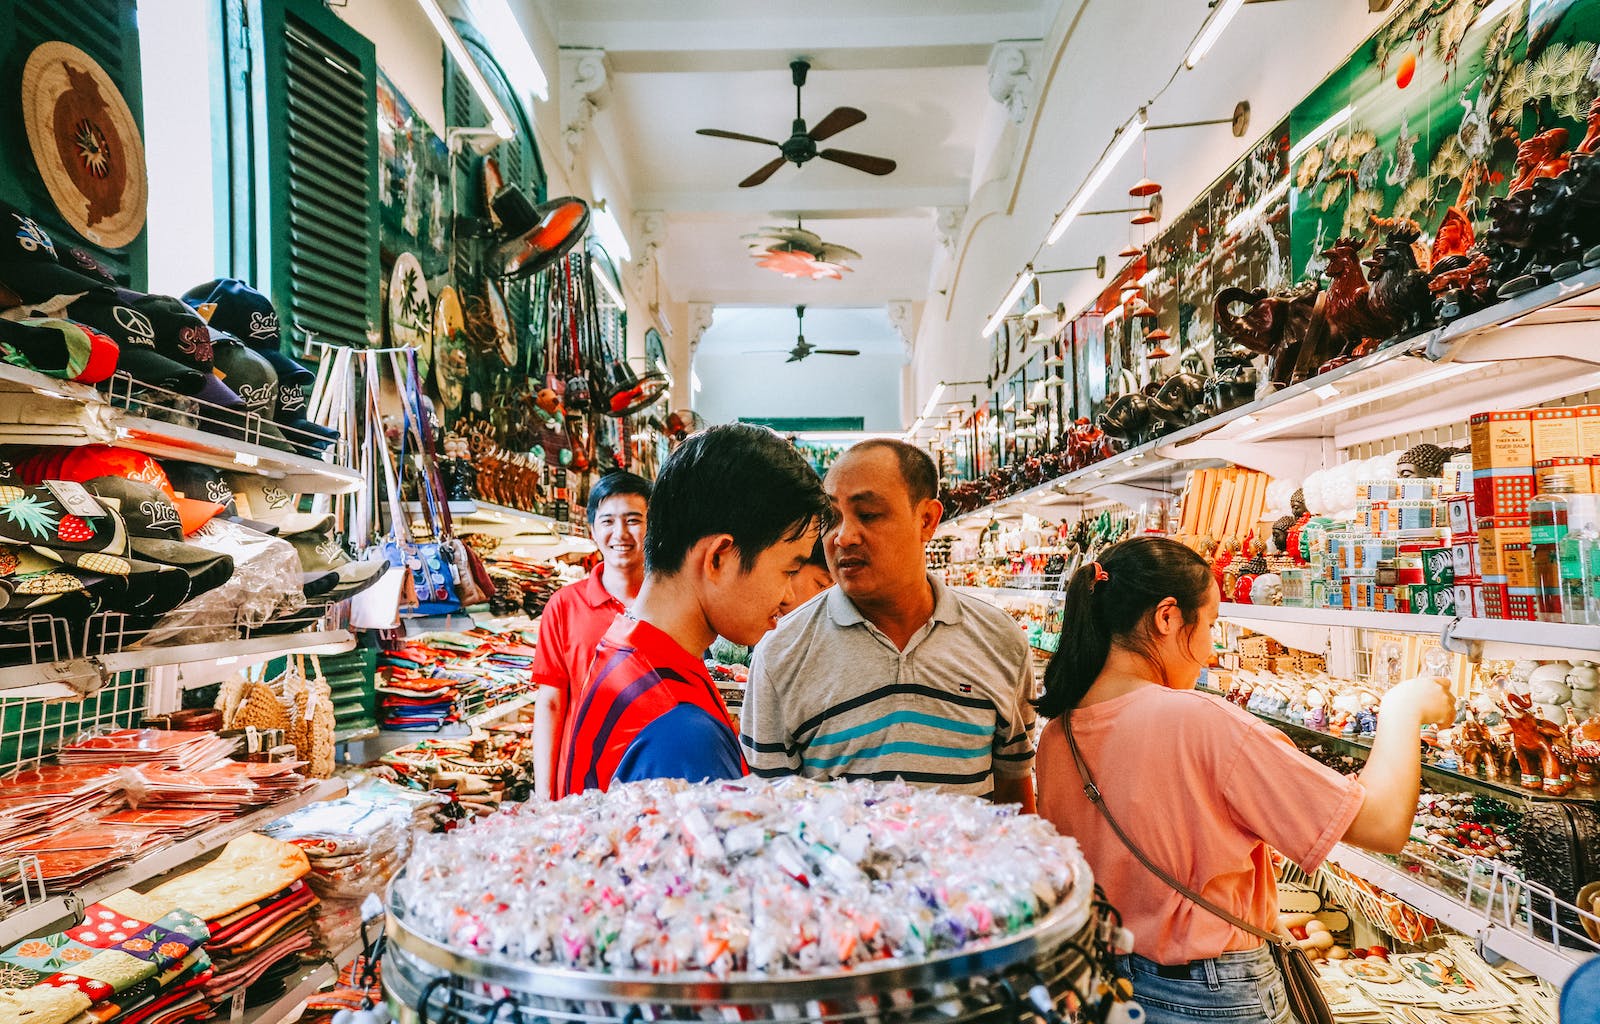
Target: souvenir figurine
{"points": [[1367, 721], [1538, 746], [1270, 325], [1398, 288], [1584, 681], [1347, 312], [1316, 710], [1547, 688], [1475, 748]]}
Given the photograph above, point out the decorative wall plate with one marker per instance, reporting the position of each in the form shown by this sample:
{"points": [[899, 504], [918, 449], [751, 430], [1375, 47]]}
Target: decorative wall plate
{"points": [[449, 348], [505, 334], [86, 144], [409, 307]]}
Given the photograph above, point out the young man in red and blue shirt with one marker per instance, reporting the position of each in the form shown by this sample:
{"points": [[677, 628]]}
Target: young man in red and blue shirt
{"points": [[733, 518]]}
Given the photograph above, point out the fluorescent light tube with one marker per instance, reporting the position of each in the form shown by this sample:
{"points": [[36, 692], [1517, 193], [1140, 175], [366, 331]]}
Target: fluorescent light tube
{"points": [[1023, 280], [607, 286], [1212, 31], [1319, 133], [933, 400], [1120, 144], [499, 120]]}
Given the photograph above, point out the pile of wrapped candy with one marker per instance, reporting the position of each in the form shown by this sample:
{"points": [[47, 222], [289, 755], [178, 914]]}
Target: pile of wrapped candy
{"points": [[786, 876]]}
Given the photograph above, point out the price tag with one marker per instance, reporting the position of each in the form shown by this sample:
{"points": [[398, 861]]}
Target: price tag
{"points": [[75, 498], [236, 1006]]}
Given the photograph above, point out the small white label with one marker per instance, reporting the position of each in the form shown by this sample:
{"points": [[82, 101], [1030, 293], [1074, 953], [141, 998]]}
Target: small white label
{"points": [[76, 499]]}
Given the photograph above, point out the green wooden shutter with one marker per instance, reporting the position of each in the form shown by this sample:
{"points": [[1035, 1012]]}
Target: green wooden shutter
{"points": [[519, 165], [107, 31], [320, 100]]}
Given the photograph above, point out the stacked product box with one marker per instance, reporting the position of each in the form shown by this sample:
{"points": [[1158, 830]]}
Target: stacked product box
{"points": [[1513, 452], [1375, 561]]}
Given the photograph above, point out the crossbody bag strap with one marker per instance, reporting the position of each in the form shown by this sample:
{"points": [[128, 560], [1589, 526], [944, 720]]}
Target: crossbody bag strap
{"points": [[1092, 791]]}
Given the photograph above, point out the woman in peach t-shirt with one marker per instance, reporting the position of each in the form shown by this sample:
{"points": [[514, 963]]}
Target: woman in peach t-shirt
{"points": [[1200, 786]]}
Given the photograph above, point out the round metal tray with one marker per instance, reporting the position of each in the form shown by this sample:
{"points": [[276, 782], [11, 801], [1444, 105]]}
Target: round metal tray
{"points": [[1039, 942]]}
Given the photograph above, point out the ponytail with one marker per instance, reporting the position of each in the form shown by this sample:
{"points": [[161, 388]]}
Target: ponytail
{"points": [[1110, 602]]}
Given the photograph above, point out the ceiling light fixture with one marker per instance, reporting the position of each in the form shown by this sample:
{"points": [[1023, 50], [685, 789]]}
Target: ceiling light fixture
{"points": [[495, 20], [607, 286], [1017, 288], [609, 232], [1212, 30], [499, 120], [1123, 141]]}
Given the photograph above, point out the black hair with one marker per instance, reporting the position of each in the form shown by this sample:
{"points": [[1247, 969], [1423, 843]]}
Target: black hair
{"points": [[916, 467], [737, 479], [819, 550], [618, 481], [1139, 574]]}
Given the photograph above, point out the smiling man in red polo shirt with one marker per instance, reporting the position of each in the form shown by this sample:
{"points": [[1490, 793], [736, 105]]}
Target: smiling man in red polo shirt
{"points": [[578, 616]]}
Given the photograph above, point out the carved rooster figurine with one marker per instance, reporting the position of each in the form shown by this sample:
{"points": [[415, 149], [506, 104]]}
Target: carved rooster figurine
{"points": [[1398, 295], [1345, 310], [1543, 156]]}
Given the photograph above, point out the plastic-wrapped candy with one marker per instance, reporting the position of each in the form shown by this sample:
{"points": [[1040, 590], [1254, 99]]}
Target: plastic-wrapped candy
{"points": [[773, 877]]}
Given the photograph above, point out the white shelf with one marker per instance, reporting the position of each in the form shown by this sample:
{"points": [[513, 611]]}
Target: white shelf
{"points": [[56, 679], [1001, 593], [1555, 639], [1393, 621], [501, 710], [21, 925], [36, 409], [1518, 353], [1493, 933]]}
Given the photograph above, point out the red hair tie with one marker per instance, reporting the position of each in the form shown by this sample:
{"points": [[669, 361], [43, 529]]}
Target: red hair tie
{"points": [[1100, 575]]}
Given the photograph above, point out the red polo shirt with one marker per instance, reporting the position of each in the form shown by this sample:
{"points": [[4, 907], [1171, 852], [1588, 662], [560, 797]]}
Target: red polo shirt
{"points": [[573, 623], [640, 677]]}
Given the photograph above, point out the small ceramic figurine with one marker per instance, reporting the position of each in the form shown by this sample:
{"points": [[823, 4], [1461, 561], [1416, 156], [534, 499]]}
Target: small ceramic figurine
{"points": [[1538, 745], [1547, 686], [1346, 707], [1584, 681], [1367, 721], [1316, 709]]}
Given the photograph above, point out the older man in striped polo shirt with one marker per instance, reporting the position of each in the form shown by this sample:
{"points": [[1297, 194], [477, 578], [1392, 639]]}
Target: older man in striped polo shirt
{"points": [[890, 674]]}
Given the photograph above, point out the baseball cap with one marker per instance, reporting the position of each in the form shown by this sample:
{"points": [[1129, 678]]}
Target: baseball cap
{"points": [[155, 531], [30, 268], [89, 461], [180, 333], [258, 497], [239, 310], [251, 376], [80, 260], [320, 552], [138, 346], [58, 348], [206, 483], [308, 436]]}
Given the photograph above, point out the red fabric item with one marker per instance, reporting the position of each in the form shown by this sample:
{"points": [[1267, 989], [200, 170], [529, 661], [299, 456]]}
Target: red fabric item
{"points": [[639, 674], [570, 628]]}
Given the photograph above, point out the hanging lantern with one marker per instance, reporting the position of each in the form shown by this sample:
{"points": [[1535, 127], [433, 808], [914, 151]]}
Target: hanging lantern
{"points": [[1128, 252], [1144, 187], [1143, 310]]}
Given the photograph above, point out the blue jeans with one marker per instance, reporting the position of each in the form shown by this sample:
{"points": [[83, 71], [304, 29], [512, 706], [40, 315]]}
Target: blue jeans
{"points": [[1233, 988]]}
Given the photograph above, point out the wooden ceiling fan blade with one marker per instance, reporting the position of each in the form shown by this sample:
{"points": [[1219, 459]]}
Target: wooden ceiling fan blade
{"points": [[836, 122], [860, 161], [767, 171], [837, 351], [718, 133]]}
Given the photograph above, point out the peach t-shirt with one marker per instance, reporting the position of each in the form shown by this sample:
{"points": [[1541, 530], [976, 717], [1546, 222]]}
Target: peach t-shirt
{"points": [[1203, 788]]}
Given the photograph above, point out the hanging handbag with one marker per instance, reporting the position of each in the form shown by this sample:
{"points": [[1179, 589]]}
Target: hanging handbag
{"points": [[378, 607], [1306, 1000], [432, 572]]}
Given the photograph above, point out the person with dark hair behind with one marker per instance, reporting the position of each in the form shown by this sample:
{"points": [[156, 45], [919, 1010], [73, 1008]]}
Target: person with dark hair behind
{"points": [[577, 616], [813, 579], [735, 513], [1161, 785], [891, 674]]}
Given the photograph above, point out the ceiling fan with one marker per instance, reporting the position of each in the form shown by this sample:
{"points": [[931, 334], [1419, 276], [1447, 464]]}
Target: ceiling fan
{"points": [[802, 347], [801, 145]]}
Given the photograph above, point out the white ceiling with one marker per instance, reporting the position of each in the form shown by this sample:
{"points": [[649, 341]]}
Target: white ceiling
{"points": [[918, 69]]}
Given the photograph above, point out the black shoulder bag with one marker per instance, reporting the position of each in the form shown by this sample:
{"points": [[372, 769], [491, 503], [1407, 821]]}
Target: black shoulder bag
{"points": [[1306, 1000]]}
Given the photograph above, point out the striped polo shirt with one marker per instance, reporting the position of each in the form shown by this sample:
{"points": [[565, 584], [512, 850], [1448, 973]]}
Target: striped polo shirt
{"points": [[830, 696]]}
